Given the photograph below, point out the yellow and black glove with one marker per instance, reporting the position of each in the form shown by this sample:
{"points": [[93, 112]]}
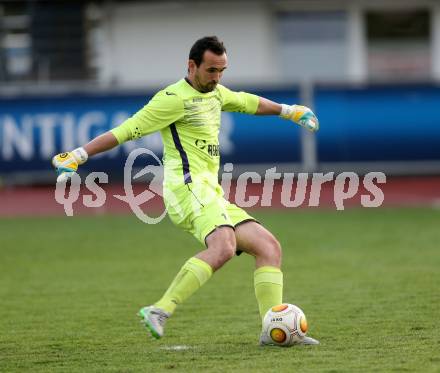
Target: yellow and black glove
{"points": [[301, 115], [66, 164]]}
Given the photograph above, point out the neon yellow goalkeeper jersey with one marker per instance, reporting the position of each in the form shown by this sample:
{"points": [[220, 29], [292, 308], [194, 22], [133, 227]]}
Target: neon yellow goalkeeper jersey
{"points": [[189, 122]]}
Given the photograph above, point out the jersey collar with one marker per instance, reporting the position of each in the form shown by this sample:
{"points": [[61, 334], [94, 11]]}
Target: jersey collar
{"points": [[189, 82]]}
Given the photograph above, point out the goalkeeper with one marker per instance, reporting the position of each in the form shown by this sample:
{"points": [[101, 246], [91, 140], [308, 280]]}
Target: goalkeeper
{"points": [[187, 114]]}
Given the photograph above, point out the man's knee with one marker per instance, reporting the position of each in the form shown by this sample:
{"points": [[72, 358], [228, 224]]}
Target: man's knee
{"points": [[222, 242]]}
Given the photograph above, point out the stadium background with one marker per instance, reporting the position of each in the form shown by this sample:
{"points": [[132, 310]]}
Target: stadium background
{"points": [[367, 278]]}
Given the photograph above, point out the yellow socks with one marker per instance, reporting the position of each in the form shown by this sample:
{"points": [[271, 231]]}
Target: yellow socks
{"points": [[191, 277], [268, 283]]}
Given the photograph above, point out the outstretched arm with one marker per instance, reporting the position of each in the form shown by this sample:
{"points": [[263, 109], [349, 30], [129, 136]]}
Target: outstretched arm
{"points": [[268, 107], [243, 102], [101, 144], [164, 108], [67, 163]]}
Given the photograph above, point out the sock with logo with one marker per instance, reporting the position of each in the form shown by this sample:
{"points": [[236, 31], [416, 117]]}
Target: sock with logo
{"points": [[191, 277], [268, 283]]}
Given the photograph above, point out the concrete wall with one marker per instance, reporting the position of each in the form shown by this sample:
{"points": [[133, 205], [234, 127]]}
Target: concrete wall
{"points": [[148, 44]]}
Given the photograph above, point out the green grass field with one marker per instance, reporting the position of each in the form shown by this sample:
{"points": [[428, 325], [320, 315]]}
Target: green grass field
{"points": [[368, 281]]}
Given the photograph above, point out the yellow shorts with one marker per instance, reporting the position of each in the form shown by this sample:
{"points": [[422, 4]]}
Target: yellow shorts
{"points": [[199, 208]]}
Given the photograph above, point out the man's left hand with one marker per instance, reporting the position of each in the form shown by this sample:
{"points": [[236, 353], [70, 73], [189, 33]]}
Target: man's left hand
{"points": [[301, 115]]}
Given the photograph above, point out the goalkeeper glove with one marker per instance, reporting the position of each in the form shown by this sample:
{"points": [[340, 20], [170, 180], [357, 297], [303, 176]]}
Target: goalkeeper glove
{"points": [[66, 164], [301, 115]]}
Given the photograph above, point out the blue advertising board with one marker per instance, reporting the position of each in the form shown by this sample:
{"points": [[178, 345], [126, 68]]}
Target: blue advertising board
{"points": [[363, 124], [378, 123]]}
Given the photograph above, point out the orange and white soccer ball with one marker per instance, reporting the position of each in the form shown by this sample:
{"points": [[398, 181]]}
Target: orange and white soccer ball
{"points": [[285, 324]]}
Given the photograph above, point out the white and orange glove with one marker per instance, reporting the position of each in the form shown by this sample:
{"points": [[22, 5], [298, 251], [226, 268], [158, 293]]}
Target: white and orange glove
{"points": [[66, 164], [301, 115]]}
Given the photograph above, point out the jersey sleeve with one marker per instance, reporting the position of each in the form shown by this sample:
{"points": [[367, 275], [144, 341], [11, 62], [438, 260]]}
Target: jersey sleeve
{"points": [[241, 102], [163, 109]]}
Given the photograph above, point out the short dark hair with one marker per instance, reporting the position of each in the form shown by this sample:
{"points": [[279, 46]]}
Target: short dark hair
{"points": [[211, 43]]}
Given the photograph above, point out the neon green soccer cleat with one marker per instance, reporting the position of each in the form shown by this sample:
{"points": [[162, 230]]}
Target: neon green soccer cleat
{"points": [[154, 319]]}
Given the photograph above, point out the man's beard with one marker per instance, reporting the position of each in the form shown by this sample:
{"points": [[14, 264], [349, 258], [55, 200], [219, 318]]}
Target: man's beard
{"points": [[205, 88], [208, 87]]}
